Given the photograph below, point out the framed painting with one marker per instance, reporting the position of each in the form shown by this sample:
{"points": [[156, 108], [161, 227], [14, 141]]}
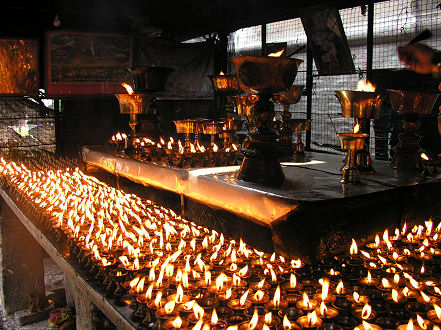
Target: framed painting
{"points": [[79, 63], [19, 69], [327, 40]]}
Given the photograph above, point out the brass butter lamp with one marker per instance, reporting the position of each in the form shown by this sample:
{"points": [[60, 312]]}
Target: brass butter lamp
{"points": [[263, 77], [292, 96], [362, 106], [352, 142], [411, 105]]}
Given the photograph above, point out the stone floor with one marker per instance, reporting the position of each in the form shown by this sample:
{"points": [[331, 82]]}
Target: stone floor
{"points": [[54, 279]]}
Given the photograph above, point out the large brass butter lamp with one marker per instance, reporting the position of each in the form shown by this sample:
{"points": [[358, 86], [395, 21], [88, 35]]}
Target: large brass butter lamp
{"points": [[292, 96], [263, 77], [362, 106], [133, 105], [147, 81], [227, 85], [411, 105]]}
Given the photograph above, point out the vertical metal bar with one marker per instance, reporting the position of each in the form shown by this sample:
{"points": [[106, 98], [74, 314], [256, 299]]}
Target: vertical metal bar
{"points": [[182, 205], [370, 40], [369, 55], [309, 82], [263, 52], [57, 126]]}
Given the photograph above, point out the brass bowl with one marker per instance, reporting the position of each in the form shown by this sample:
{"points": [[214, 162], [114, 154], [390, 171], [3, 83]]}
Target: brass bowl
{"points": [[133, 103], [186, 126], [232, 124], [292, 96], [213, 127], [358, 104], [300, 124], [352, 141], [244, 104], [412, 102], [265, 75], [226, 84]]}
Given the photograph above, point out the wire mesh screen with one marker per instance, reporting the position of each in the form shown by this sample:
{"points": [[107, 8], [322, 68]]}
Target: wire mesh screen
{"points": [[326, 114], [247, 41], [395, 23], [291, 32], [26, 125]]}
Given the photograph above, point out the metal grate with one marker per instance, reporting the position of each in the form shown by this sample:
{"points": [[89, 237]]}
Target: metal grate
{"points": [[291, 32], [26, 124], [395, 23], [327, 119]]}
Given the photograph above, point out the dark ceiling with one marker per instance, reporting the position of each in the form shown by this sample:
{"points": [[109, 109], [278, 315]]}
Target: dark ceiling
{"points": [[178, 18]]}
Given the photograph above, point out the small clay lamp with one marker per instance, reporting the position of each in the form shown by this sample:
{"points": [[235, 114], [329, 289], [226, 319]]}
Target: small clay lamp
{"points": [[310, 321]]}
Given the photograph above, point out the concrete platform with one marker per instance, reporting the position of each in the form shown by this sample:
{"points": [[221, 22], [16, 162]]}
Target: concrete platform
{"points": [[310, 215]]}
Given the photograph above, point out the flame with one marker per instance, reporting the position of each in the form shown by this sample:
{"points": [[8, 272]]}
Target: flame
{"points": [[325, 288], [312, 318], [356, 296], [169, 307], [410, 325], [177, 323], [397, 278], [260, 284], [243, 271], [258, 295], [369, 277], [236, 280], [189, 305], [273, 276], [385, 283], [424, 156], [207, 276], [296, 263], [353, 249], [292, 281], [179, 294], [215, 147], [366, 325], [355, 130], [276, 54], [395, 295], [276, 299], [323, 309], [254, 319], [228, 293], [140, 285], [421, 322], [128, 88], [426, 298], [198, 325], [286, 323], [214, 317], [306, 302], [221, 73], [366, 312], [134, 282], [437, 311], [243, 299], [268, 318], [340, 288], [198, 311], [158, 299], [363, 86]]}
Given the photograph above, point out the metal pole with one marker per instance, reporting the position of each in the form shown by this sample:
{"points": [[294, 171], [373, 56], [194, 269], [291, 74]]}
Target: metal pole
{"points": [[370, 40], [57, 126], [263, 52], [309, 82]]}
